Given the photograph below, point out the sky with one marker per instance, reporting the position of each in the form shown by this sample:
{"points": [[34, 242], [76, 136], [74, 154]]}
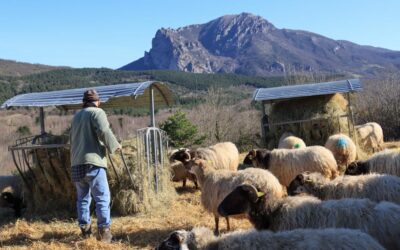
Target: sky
{"points": [[105, 33]]}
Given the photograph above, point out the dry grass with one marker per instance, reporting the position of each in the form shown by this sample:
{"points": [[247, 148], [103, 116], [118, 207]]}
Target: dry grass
{"points": [[131, 232]]}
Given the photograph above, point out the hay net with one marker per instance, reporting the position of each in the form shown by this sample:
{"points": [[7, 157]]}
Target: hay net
{"points": [[44, 164], [313, 119]]}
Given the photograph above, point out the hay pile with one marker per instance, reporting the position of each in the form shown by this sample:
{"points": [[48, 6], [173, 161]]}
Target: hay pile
{"points": [[324, 110], [54, 194]]}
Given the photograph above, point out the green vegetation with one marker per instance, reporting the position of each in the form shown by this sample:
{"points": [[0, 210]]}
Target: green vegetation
{"points": [[181, 132]]}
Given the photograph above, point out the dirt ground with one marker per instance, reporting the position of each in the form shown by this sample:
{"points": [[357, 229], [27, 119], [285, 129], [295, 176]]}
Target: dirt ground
{"points": [[131, 232]]}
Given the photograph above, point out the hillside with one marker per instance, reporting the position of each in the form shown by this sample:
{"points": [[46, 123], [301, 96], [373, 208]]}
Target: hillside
{"points": [[250, 45], [14, 68]]}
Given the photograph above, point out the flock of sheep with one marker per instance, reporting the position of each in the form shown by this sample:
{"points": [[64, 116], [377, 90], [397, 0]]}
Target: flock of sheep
{"points": [[296, 196]]}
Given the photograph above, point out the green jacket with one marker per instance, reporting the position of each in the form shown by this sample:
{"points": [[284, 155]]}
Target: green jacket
{"points": [[90, 135]]}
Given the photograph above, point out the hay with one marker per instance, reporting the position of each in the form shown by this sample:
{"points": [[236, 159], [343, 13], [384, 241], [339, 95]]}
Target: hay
{"points": [[324, 111], [54, 193]]}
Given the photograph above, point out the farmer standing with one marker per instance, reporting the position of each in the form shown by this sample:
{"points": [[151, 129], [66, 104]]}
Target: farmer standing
{"points": [[90, 137]]}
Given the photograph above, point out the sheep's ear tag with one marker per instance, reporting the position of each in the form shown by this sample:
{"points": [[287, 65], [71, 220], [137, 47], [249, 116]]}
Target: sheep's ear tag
{"points": [[209, 162], [260, 194], [307, 180]]}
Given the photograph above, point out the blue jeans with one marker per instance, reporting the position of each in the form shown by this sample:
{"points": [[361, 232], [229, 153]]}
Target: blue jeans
{"points": [[95, 182]]}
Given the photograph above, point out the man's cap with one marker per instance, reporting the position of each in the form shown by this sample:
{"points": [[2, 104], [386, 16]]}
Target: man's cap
{"points": [[90, 95]]}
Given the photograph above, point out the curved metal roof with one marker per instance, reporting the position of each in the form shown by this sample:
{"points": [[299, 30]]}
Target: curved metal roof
{"points": [[135, 95], [313, 89]]}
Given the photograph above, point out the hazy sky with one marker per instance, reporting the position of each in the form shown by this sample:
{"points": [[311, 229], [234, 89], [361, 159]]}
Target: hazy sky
{"points": [[100, 33]]}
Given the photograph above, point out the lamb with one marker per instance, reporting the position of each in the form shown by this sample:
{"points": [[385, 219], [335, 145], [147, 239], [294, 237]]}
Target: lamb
{"points": [[380, 220], [201, 238], [370, 136], [289, 141], [343, 149], [384, 162], [222, 155], [375, 187], [216, 184], [286, 164], [11, 194]]}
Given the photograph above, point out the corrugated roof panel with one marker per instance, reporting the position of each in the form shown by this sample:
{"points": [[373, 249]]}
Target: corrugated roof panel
{"points": [[313, 89], [136, 95]]}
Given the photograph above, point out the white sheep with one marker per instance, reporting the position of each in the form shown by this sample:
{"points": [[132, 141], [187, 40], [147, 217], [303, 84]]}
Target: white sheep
{"points": [[11, 195], [375, 187], [289, 141], [216, 184], [370, 136], [384, 162], [286, 164], [202, 238], [224, 155], [343, 149], [380, 220]]}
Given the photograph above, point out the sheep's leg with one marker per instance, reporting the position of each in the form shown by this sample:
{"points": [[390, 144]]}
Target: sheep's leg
{"points": [[184, 183], [216, 232], [228, 226], [196, 185]]}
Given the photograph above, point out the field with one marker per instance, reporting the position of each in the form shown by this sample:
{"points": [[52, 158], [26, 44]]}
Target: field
{"points": [[131, 232]]}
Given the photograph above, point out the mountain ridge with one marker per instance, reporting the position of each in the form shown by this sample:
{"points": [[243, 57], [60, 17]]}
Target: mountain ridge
{"points": [[250, 45]]}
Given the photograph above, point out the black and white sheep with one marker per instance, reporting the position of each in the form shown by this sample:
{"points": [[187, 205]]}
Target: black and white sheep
{"points": [[384, 162], [216, 184], [343, 149], [380, 220], [286, 164], [179, 172], [202, 238], [224, 155], [11, 195], [370, 136], [289, 141], [375, 187]]}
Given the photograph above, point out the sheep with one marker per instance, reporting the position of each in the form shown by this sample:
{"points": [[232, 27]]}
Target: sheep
{"points": [[343, 149], [11, 195], [222, 155], [380, 220], [286, 164], [201, 238], [179, 172], [370, 136], [375, 187], [216, 184], [384, 162], [289, 141]]}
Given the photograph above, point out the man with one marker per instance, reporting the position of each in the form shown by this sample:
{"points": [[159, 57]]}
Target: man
{"points": [[90, 136]]}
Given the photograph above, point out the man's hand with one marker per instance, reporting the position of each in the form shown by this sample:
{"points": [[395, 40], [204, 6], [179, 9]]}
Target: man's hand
{"points": [[119, 149]]}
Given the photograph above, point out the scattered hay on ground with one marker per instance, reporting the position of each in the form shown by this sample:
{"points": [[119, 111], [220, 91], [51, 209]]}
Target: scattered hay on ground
{"points": [[142, 231]]}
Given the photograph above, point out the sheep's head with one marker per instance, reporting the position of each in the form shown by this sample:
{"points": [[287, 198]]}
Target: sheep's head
{"points": [[183, 155], [240, 200], [258, 158], [301, 184], [175, 241], [357, 168], [8, 197]]}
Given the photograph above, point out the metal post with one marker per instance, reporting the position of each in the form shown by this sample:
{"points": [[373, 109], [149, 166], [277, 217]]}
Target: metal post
{"points": [[41, 117], [152, 119]]}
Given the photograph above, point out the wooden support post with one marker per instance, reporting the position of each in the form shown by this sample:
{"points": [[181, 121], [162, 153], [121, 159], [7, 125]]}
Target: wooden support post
{"points": [[352, 118]]}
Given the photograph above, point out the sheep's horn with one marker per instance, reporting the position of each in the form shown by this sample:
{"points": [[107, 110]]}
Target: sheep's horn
{"points": [[253, 192], [187, 156]]}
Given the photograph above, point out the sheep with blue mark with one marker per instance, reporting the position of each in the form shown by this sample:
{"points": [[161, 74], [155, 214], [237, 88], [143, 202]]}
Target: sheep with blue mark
{"points": [[343, 149]]}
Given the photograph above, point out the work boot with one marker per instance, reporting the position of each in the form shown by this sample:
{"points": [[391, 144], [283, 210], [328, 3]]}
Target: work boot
{"points": [[104, 234], [86, 231]]}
